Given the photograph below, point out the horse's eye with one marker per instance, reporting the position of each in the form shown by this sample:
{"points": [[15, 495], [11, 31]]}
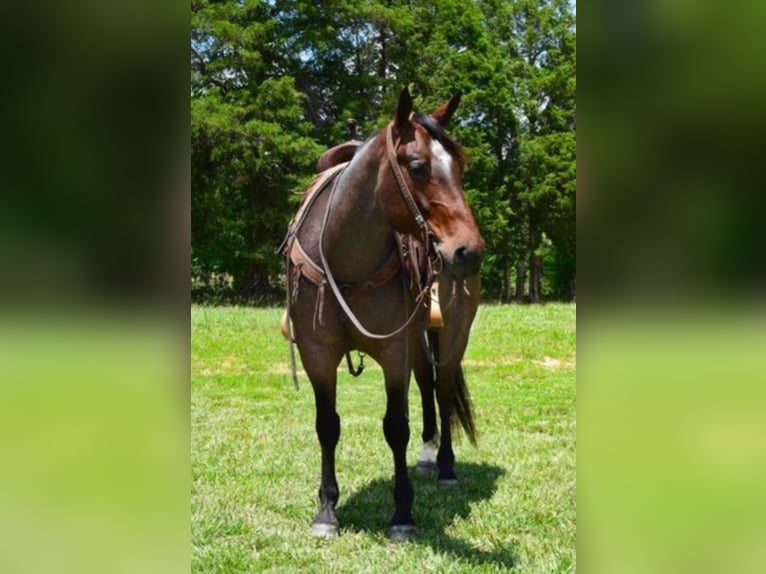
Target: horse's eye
{"points": [[418, 168]]}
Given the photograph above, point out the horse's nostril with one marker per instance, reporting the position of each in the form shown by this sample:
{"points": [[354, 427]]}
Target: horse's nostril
{"points": [[461, 254], [465, 260], [464, 255]]}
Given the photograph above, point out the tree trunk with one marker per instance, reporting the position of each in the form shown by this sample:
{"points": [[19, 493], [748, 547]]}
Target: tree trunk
{"points": [[573, 287], [535, 265], [255, 285], [505, 297], [521, 279], [535, 278]]}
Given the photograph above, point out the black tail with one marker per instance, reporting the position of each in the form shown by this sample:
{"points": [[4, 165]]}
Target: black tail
{"points": [[462, 407]]}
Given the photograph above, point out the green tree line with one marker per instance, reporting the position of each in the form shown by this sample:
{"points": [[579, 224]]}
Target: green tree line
{"points": [[274, 82]]}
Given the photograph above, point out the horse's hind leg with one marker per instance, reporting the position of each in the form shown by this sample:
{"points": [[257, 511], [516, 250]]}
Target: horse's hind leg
{"points": [[396, 429], [445, 394], [324, 381], [424, 375], [451, 391]]}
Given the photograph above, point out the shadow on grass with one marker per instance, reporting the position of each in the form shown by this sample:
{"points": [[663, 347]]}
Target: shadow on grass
{"points": [[435, 509]]}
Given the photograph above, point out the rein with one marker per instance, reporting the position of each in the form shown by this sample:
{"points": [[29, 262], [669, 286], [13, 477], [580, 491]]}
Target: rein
{"points": [[419, 221]]}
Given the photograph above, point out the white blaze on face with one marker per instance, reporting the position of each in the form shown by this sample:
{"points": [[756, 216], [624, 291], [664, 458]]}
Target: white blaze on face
{"points": [[441, 161]]}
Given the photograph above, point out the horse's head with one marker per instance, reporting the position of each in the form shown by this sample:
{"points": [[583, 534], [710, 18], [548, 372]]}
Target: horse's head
{"points": [[431, 167]]}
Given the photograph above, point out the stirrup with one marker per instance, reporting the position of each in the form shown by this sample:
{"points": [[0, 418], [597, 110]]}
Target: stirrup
{"points": [[283, 326], [435, 320]]}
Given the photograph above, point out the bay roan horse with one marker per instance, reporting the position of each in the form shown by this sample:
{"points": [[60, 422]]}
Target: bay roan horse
{"points": [[348, 289]]}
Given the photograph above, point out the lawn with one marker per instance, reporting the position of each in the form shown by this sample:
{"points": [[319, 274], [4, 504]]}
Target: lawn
{"points": [[255, 456]]}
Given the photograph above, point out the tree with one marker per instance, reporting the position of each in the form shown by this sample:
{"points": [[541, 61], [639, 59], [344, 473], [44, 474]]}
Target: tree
{"points": [[534, 43], [250, 144], [274, 82]]}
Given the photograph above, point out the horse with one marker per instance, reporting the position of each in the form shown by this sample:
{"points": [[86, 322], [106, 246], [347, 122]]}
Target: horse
{"points": [[348, 288], [438, 365]]}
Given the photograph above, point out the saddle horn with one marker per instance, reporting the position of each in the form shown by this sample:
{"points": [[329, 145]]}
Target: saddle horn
{"points": [[351, 126]]}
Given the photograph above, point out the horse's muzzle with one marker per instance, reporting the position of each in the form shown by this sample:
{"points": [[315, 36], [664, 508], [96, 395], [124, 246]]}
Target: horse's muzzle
{"points": [[465, 260]]}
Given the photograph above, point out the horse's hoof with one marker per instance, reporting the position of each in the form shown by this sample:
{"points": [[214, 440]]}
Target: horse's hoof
{"points": [[322, 530], [402, 532], [425, 468], [447, 482]]}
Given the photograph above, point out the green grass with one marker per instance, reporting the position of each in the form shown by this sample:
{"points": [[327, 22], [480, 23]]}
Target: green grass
{"points": [[255, 456]]}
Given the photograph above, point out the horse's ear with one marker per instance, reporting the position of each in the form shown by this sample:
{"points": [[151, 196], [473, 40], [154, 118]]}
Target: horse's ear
{"points": [[403, 109], [443, 114]]}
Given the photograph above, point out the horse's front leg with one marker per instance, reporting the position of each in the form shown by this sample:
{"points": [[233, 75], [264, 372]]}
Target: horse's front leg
{"points": [[323, 375], [396, 429], [328, 431]]}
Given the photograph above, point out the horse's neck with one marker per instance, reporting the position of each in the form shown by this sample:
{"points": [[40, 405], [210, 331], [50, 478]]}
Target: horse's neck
{"points": [[358, 237]]}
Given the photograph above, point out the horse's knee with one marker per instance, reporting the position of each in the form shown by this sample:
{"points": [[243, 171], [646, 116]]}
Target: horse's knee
{"points": [[328, 428], [396, 429]]}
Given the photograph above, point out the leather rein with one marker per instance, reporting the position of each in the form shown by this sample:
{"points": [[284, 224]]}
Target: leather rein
{"points": [[419, 221]]}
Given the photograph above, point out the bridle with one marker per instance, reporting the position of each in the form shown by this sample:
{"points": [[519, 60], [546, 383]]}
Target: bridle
{"points": [[420, 221], [433, 258]]}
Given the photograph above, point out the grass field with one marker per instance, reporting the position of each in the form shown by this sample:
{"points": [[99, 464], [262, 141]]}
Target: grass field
{"points": [[255, 456]]}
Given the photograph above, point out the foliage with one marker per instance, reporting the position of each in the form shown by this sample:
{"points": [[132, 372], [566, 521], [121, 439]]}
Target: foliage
{"points": [[250, 146], [273, 83], [255, 456]]}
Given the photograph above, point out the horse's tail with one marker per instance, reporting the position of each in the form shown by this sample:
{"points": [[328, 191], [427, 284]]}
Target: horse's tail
{"points": [[463, 408]]}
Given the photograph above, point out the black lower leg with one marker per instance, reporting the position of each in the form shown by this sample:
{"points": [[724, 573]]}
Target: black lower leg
{"points": [[424, 375], [429, 413], [397, 432], [445, 458], [328, 432]]}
